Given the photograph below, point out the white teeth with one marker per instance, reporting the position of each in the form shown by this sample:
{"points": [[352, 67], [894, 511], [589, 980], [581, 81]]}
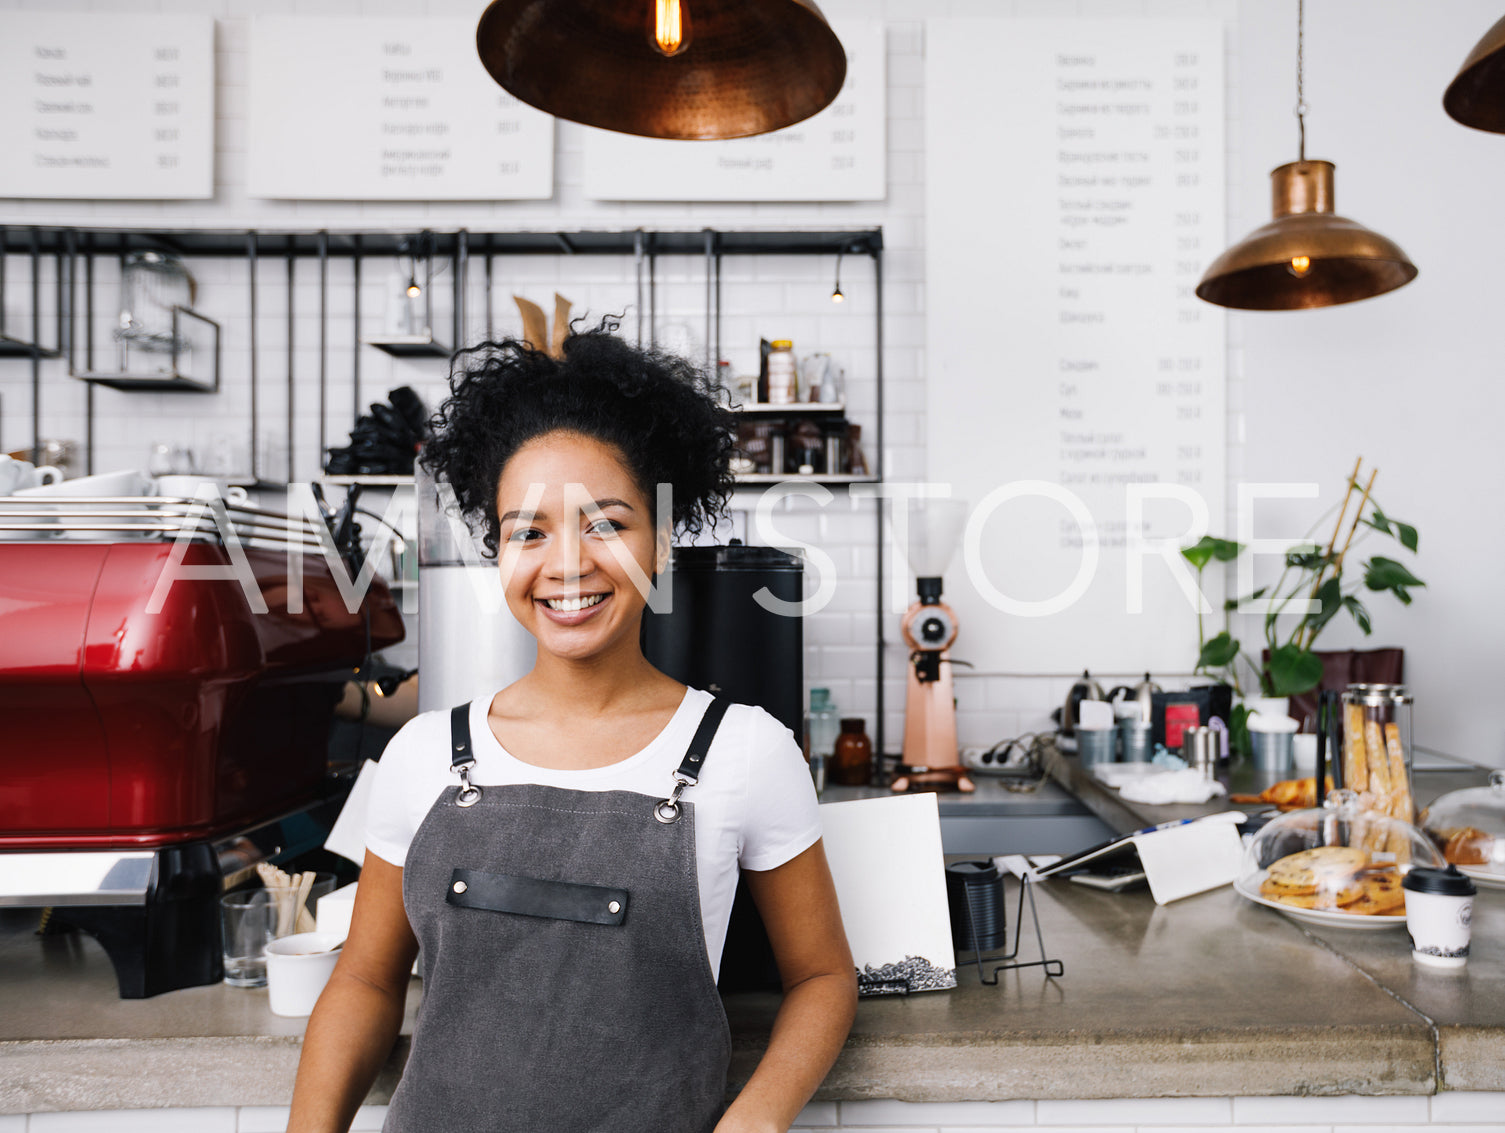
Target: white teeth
{"points": [[570, 605]]}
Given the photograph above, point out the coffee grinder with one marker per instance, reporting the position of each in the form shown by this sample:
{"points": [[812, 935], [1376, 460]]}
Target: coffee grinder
{"points": [[931, 760]]}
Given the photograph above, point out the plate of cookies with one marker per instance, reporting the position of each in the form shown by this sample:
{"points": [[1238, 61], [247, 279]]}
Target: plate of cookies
{"points": [[1338, 866]]}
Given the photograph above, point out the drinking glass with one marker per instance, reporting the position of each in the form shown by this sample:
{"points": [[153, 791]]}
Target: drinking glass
{"points": [[247, 920]]}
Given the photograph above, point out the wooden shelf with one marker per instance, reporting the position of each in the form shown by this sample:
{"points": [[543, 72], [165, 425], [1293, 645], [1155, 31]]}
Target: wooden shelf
{"points": [[146, 383], [792, 409], [368, 480], [760, 478], [12, 347], [408, 345]]}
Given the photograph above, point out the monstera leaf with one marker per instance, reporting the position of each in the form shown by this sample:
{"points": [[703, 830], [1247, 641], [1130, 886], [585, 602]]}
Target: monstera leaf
{"points": [[1205, 549], [1292, 671], [1218, 651]]}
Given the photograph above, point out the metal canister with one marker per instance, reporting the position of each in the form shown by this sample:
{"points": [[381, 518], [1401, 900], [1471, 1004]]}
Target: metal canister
{"points": [[1199, 751]]}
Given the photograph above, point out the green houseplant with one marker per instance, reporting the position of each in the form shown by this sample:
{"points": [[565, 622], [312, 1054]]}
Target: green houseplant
{"points": [[1312, 571]]}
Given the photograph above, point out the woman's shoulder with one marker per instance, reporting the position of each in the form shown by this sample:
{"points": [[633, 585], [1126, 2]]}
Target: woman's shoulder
{"points": [[755, 725]]}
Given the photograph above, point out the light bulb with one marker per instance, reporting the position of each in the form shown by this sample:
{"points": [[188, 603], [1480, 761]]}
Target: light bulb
{"points": [[671, 27], [1299, 266], [837, 296], [413, 289]]}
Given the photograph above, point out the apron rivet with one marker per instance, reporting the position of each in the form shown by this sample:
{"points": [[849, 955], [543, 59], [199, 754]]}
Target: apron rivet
{"points": [[614, 907], [460, 887]]}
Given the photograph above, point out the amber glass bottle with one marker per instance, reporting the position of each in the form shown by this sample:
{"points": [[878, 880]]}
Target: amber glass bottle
{"points": [[852, 761]]}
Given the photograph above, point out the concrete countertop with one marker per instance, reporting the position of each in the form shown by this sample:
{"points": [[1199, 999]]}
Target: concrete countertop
{"points": [[1210, 996]]}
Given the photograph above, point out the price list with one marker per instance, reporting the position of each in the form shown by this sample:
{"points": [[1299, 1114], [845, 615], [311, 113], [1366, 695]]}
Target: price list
{"points": [[836, 155], [108, 107], [402, 111], [1102, 188]]}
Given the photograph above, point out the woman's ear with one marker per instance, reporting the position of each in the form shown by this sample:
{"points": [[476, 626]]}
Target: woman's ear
{"points": [[663, 549]]}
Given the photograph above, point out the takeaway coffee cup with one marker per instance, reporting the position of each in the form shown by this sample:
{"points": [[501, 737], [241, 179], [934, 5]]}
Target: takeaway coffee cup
{"points": [[298, 967], [1439, 915]]}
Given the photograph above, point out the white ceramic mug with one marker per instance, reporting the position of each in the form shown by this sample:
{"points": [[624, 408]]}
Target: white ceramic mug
{"points": [[18, 474], [298, 967], [189, 487]]}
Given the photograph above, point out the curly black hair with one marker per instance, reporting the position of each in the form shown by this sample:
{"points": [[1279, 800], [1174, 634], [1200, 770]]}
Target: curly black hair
{"points": [[661, 412]]}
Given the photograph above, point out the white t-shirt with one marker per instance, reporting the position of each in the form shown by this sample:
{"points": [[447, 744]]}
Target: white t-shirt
{"points": [[755, 805]]}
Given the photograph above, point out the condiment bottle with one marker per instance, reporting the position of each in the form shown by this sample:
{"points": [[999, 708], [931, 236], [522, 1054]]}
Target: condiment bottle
{"points": [[852, 762], [782, 377], [820, 727]]}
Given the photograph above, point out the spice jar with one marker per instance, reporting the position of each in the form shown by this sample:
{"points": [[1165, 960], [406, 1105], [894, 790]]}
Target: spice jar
{"points": [[782, 377], [852, 762]]}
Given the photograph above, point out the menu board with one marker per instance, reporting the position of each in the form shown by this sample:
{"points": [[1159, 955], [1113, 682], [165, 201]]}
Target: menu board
{"points": [[387, 109], [1076, 384], [836, 155], [106, 107]]}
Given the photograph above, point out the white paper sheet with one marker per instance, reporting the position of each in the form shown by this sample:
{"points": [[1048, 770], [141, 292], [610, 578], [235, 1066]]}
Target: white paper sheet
{"points": [[887, 863]]}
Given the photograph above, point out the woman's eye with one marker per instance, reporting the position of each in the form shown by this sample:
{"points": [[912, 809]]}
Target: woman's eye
{"points": [[605, 527], [524, 534]]}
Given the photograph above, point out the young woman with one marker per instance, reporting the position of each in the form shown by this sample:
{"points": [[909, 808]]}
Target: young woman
{"points": [[567, 849]]}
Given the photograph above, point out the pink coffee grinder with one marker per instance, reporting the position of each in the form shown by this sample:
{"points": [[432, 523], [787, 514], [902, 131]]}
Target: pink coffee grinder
{"points": [[931, 760]]}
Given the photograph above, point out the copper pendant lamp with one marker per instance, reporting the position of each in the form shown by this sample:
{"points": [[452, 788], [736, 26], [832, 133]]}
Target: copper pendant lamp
{"points": [[687, 69], [1308, 256], [1477, 96]]}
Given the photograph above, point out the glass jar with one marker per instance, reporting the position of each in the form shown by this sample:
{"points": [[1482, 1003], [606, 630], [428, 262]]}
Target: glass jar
{"points": [[1376, 750], [151, 285], [852, 761], [782, 377], [820, 734], [1469, 827]]}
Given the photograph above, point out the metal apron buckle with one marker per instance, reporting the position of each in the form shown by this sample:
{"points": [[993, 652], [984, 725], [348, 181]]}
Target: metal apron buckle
{"points": [[668, 810], [469, 792]]}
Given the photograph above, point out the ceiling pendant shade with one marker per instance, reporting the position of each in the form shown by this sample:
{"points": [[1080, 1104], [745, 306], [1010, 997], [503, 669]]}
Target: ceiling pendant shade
{"points": [[1308, 256], [1477, 96], [686, 69]]}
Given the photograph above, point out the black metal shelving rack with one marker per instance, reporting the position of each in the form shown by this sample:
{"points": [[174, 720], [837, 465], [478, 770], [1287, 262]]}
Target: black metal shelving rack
{"points": [[76, 249]]}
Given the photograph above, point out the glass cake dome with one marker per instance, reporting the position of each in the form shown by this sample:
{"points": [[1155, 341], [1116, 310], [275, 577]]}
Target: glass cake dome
{"points": [[1469, 828], [1337, 865]]}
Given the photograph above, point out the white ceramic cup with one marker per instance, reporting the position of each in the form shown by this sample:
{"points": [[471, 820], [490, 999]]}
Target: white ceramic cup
{"points": [[189, 487], [298, 967], [1439, 916], [18, 474]]}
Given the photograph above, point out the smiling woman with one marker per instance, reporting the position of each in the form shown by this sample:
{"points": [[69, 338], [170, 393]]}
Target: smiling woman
{"points": [[571, 893]]}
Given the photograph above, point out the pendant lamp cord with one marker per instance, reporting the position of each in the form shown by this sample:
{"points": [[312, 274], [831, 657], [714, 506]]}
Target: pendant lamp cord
{"points": [[1301, 106]]}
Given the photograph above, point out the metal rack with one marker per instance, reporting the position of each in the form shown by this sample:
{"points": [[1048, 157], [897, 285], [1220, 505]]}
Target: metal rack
{"points": [[76, 250]]}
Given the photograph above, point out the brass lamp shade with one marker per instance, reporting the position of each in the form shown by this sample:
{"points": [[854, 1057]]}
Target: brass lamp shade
{"points": [[1308, 256], [748, 67], [1477, 96]]}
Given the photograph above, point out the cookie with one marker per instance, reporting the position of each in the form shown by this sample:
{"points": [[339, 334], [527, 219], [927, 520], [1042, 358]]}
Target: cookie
{"points": [[1319, 864], [1381, 894], [1313, 897]]}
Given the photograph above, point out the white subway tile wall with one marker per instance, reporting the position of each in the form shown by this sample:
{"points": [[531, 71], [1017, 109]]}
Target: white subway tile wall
{"points": [[762, 296]]}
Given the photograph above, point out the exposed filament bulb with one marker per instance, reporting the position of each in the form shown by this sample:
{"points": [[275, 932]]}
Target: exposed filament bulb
{"points": [[1299, 266], [671, 32]]}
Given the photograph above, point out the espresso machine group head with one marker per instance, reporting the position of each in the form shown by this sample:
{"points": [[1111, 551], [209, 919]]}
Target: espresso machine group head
{"points": [[931, 760]]}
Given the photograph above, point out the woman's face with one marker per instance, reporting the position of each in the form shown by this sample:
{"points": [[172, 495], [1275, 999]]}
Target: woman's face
{"points": [[577, 545]]}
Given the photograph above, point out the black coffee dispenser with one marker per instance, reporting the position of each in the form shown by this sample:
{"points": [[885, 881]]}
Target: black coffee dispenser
{"points": [[719, 638]]}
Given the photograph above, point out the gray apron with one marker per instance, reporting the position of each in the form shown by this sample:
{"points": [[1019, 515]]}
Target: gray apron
{"points": [[566, 985]]}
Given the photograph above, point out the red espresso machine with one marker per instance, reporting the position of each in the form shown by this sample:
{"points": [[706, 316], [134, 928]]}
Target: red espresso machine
{"points": [[156, 738]]}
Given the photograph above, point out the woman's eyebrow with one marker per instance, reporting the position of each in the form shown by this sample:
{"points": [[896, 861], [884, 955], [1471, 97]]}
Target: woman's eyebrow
{"points": [[530, 516]]}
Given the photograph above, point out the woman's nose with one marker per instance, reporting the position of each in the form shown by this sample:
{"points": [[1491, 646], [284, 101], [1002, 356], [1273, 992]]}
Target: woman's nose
{"points": [[569, 558]]}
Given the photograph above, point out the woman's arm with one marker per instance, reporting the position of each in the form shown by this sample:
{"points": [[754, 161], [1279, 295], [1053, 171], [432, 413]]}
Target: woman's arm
{"points": [[798, 904], [356, 1020]]}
